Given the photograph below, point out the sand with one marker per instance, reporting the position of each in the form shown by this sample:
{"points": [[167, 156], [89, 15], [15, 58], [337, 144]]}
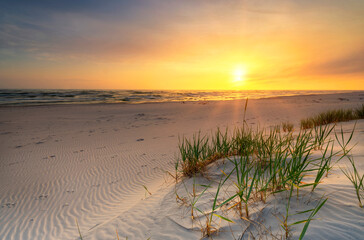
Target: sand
{"points": [[93, 162]]}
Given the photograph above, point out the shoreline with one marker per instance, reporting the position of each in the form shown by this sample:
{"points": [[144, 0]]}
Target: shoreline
{"points": [[177, 101]]}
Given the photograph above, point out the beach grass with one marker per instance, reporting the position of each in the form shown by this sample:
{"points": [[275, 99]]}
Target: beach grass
{"points": [[209, 229], [265, 162], [356, 179], [359, 112], [268, 161], [310, 218], [333, 116], [287, 127]]}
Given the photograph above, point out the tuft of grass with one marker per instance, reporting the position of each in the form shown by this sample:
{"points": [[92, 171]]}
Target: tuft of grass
{"points": [[194, 154], [209, 229], [331, 116], [324, 165], [321, 133], [284, 221], [244, 183], [344, 143], [194, 198], [356, 179], [359, 112], [287, 127], [310, 218], [221, 143]]}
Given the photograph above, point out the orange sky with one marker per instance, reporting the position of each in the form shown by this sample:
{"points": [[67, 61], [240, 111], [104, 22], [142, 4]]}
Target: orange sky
{"points": [[189, 44]]}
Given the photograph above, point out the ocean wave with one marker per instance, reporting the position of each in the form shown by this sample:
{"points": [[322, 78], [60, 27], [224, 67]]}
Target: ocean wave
{"points": [[46, 97]]}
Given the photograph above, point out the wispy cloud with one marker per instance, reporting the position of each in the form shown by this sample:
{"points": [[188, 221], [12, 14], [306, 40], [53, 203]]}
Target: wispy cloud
{"points": [[352, 63]]}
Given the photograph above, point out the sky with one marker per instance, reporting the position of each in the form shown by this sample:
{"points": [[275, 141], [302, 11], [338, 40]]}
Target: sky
{"points": [[189, 44]]}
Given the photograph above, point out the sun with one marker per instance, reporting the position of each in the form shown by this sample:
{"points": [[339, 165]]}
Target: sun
{"points": [[239, 75]]}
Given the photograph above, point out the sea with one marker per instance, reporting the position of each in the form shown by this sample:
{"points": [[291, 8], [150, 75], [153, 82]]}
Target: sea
{"points": [[11, 97]]}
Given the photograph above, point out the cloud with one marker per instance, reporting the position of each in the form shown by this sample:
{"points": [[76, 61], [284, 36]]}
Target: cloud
{"points": [[352, 63], [119, 30], [92, 29]]}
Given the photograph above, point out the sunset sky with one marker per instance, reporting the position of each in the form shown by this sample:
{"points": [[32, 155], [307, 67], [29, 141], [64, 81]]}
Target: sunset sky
{"points": [[189, 44]]}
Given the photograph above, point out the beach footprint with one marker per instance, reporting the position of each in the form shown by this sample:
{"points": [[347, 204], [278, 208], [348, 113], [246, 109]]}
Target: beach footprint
{"points": [[8, 205], [42, 197]]}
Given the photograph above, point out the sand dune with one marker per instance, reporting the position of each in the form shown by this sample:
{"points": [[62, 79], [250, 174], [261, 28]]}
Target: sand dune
{"points": [[91, 163]]}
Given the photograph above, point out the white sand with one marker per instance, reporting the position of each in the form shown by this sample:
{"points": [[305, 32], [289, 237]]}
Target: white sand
{"points": [[90, 162]]}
